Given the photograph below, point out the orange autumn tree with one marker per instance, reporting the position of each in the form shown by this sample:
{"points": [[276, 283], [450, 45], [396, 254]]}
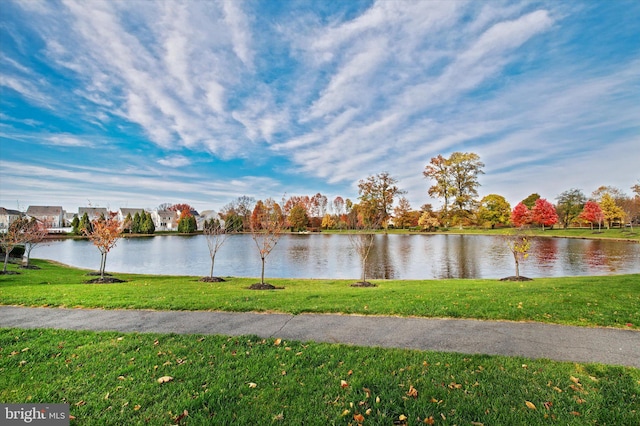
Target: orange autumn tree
{"points": [[105, 234]]}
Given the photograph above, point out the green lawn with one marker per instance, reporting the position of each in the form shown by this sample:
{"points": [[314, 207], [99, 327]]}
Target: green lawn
{"points": [[112, 379], [612, 301]]}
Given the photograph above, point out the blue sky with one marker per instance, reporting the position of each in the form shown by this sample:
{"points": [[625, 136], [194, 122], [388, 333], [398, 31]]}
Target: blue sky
{"points": [[137, 103]]}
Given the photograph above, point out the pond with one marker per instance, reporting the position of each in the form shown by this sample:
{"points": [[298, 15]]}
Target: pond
{"points": [[331, 256]]}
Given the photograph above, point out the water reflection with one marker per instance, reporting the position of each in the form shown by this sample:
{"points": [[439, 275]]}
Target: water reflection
{"points": [[331, 256]]}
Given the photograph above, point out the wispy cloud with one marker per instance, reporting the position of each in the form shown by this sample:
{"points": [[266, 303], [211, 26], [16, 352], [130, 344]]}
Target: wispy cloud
{"points": [[316, 98]]}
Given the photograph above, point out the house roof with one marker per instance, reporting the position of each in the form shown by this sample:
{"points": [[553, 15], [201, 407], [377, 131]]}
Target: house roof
{"points": [[4, 211], [92, 211], [44, 211], [125, 211]]}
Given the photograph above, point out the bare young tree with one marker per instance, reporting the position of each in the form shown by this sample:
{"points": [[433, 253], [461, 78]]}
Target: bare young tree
{"points": [[35, 233], [13, 237], [216, 236], [267, 223], [361, 241]]}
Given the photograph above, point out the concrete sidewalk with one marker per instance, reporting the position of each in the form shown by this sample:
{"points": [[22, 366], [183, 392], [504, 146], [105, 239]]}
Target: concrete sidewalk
{"points": [[532, 340]]}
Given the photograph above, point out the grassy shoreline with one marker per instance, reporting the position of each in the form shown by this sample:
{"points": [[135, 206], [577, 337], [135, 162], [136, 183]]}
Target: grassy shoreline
{"points": [[111, 378], [604, 301], [617, 234]]}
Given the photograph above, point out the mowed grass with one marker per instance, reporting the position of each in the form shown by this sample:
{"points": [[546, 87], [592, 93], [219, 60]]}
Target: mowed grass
{"points": [[112, 379], [611, 301]]}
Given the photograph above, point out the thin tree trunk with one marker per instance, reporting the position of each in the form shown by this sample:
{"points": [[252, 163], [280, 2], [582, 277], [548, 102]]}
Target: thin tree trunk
{"points": [[213, 259], [6, 260], [103, 263], [515, 255], [262, 275], [364, 271]]}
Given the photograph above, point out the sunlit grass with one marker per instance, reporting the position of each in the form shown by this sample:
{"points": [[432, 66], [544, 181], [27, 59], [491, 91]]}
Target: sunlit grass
{"points": [[112, 379], [589, 301]]}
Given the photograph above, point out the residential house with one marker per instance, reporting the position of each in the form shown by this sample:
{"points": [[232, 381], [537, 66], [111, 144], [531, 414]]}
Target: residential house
{"points": [[124, 211], [7, 217], [165, 220], [51, 216], [206, 215], [93, 213]]}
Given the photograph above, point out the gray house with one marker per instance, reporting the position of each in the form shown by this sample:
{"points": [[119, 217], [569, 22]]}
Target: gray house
{"points": [[93, 212], [124, 211]]}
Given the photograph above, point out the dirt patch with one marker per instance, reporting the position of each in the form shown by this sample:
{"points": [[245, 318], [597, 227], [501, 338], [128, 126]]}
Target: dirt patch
{"points": [[212, 280], [363, 284], [105, 280], [29, 267], [514, 278], [9, 273], [264, 286]]}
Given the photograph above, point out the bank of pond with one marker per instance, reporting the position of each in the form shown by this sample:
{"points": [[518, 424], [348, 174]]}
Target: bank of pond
{"points": [[393, 256]]}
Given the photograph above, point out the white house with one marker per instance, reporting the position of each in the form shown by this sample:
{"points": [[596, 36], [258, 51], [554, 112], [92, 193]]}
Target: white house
{"points": [[165, 220], [51, 216], [7, 217]]}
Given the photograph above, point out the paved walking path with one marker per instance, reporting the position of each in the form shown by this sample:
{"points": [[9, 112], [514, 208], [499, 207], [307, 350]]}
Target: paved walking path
{"points": [[532, 340]]}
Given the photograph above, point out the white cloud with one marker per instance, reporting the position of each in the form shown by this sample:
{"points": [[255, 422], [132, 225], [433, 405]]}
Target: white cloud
{"points": [[175, 161]]}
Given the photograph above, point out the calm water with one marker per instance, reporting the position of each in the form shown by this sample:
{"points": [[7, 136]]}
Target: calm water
{"points": [[331, 256]]}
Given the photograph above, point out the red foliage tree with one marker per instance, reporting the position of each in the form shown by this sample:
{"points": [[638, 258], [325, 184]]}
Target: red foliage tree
{"points": [[181, 207], [543, 213], [592, 213], [520, 215]]}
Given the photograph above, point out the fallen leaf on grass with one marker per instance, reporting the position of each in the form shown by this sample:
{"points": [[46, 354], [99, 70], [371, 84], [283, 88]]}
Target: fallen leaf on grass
{"points": [[548, 405], [367, 391], [402, 417], [165, 379], [412, 392], [477, 424], [136, 407], [184, 414], [575, 413], [344, 384], [252, 385], [277, 342], [358, 418], [429, 421], [530, 405], [574, 379]]}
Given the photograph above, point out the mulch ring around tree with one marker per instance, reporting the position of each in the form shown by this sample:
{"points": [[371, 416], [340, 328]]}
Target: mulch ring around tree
{"points": [[264, 286], [514, 278], [108, 279], [29, 267], [212, 280], [363, 284]]}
